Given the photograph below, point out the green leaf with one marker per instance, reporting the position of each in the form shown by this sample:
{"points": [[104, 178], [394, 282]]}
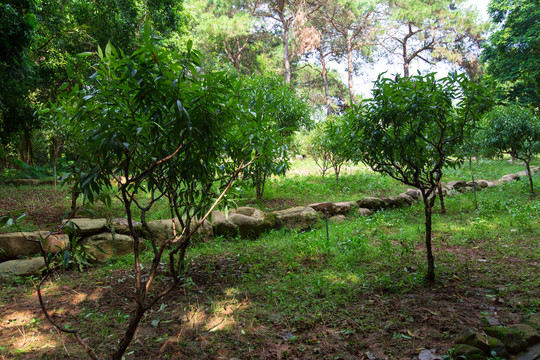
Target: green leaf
{"points": [[66, 258], [85, 54]]}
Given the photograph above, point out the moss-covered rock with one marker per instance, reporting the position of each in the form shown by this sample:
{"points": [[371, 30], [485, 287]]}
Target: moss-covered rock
{"points": [[534, 320], [496, 347], [473, 338], [531, 335], [106, 245], [469, 352], [513, 340]]}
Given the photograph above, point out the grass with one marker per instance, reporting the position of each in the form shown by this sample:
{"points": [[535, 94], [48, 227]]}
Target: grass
{"points": [[299, 295], [303, 185]]}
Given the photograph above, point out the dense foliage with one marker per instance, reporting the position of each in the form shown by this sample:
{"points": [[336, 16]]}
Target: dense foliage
{"points": [[296, 40], [512, 52]]}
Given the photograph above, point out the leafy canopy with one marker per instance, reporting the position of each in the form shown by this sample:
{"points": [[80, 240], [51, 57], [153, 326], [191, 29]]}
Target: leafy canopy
{"points": [[413, 127], [512, 52]]}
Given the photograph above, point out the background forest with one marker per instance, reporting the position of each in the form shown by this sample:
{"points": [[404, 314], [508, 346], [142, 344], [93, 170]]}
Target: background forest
{"points": [[41, 43]]}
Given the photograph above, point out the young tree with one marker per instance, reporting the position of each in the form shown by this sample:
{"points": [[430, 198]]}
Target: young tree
{"points": [[152, 119], [430, 30], [513, 130], [336, 129], [318, 148], [411, 129], [274, 111]]}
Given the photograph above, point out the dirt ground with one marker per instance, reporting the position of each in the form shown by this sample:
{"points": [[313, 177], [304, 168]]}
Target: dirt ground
{"points": [[212, 320]]}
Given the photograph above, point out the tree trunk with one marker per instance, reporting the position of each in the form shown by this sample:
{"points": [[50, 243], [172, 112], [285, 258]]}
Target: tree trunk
{"points": [[134, 321], [286, 61], [441, 197], [350, 70], [74, 196], [428, 204], [26, 152], [529, 174], [325, 82]]}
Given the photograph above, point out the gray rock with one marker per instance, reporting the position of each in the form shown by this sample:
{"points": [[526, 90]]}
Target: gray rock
{"points": [[532, 354], [330, 207], [414, 193], [162, 230], [13, 245], [371, 203], [251, 222], [112, 245], [337, 218], [483, 183], [364, 212], [474, 184], [247, 211], [121, 226], [9, 270], [300, 217], [492, 321], [428, 355], [87, 226], [342, 208], [457, 185], [510, 177], [221, 226], [373, 356], [398, 201]]}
